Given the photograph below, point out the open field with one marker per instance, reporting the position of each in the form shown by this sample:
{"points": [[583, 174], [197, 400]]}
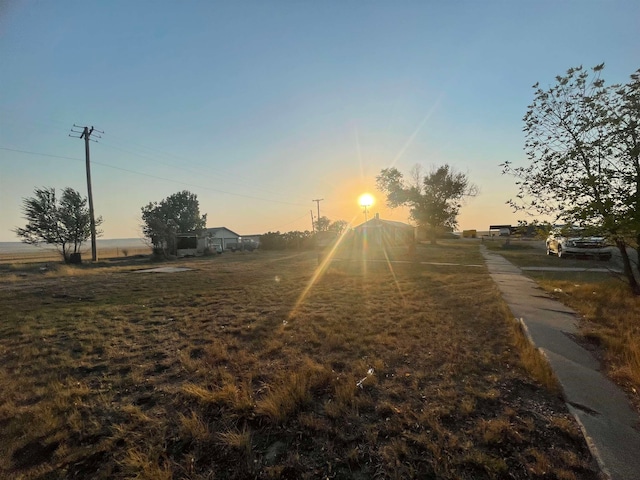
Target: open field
{"points": [[243, 367], [51, 255], [611, 314]]}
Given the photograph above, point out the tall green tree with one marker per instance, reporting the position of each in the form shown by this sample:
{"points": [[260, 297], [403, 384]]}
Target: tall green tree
{"points": [[625, 144], [64, 223], [164, 220], [582, 140], [434, 199]]}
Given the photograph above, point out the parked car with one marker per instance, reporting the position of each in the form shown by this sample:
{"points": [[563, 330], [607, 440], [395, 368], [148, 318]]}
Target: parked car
{"points": [[564, 243]]}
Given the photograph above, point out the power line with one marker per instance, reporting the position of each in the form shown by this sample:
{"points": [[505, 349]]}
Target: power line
{"points": [[289, 223], [182, 168], [176, 157], [218, 174], [157, 177], [43, 154]]}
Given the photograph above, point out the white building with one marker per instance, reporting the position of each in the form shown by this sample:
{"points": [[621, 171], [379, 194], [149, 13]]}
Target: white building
{"points": [[223, 237]]}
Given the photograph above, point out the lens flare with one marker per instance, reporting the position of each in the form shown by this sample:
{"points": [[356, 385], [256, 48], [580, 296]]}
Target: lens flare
{"points": [[366, 200]]}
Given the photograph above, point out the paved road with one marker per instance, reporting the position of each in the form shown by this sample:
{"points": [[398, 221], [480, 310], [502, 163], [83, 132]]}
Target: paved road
{"points": [[602, 410], [615, 264]]}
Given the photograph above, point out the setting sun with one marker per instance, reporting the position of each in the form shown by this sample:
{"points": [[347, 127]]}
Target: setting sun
{"points": [[366, 200]]}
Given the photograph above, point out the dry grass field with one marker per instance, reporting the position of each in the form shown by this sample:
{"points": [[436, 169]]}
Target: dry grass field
{"points": [[260, 366]]}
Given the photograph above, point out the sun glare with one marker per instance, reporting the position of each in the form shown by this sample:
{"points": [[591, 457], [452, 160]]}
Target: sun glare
{"points": [[366, 200]]}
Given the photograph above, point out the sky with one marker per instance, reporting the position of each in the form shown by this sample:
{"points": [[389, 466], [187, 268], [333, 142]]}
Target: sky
{"points": [[260, 107]]}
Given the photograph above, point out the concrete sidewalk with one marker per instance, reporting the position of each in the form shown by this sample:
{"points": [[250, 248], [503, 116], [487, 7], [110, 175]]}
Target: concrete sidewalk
{"points": [[602, 410]]}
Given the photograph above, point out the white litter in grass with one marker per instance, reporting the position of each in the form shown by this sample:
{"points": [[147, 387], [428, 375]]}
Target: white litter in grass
{"points": [[361, 381]]}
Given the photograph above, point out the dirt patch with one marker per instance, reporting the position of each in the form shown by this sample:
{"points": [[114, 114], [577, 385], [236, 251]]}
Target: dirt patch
{"points": [[34, 453]]}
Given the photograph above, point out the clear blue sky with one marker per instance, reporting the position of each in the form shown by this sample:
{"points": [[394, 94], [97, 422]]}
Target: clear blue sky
{"points": [[260, 107]]}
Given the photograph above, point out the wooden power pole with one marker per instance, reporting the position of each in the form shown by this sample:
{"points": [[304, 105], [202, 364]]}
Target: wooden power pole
{"points": [[86, 134], [318, 200]]}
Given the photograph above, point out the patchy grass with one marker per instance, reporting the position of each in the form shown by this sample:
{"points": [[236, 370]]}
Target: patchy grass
{"points": [[610, 325], [533, 361], [245, 368]]}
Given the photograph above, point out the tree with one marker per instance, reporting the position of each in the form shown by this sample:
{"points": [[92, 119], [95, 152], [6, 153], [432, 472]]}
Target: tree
{"points": [[434, 199], [626, 142], [65, 223], [582, 143], [322, 224], [288, 240], [272, 241], [298, 240], [536, 229], [178, 213], [338, 226]]}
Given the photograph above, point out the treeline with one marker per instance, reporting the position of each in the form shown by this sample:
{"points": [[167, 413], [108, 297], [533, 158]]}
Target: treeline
{"points": [[326, 232], [295, 240]]}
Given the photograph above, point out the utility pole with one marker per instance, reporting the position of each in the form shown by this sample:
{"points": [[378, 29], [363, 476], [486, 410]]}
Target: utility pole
{"points": [[313, 225], [86, 134], [366, 209], [318, 202]]}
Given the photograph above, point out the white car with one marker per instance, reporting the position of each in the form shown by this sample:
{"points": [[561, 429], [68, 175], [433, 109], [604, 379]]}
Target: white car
{"points": [[567, 243]]}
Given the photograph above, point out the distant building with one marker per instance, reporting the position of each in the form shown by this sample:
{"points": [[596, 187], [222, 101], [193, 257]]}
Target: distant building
{"points": [[223, 237], [251, 240], [386, 232], [191, 244], [502, 230]]}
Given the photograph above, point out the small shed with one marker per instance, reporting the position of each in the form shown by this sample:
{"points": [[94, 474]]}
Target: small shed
{"points": [[223, 237], [503, 230]]}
